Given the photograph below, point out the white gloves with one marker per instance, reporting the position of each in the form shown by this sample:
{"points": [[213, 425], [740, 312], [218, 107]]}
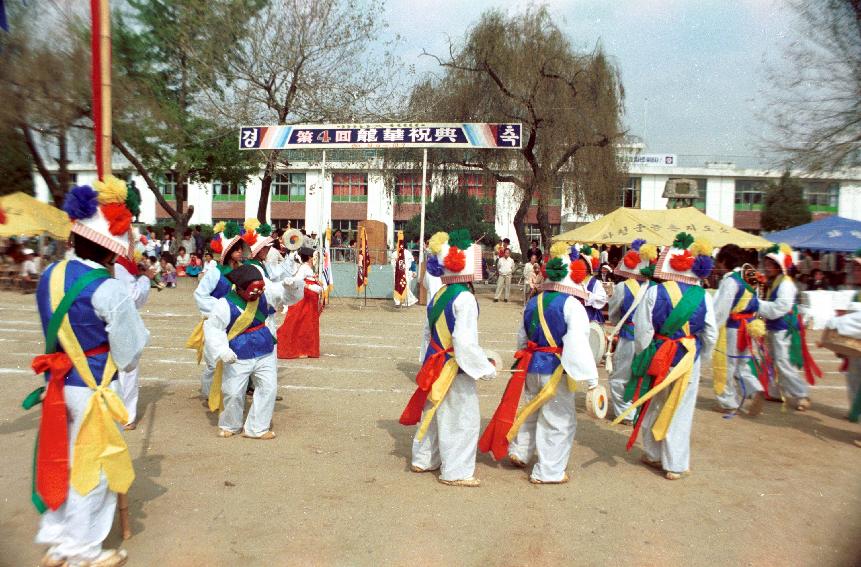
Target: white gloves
{"points": [[488, 376], [228, 357]]}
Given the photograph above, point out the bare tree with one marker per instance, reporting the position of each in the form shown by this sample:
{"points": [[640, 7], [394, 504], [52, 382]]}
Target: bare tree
{"points": [[523, 69], [814, 104], [308, 61]]}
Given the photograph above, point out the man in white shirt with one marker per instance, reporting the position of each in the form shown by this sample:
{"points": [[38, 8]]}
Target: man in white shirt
{"points": [[29, 267], [504, 267]]}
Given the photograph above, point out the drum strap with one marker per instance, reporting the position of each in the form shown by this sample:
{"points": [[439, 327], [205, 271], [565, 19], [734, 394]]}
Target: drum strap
{"points": [[608, 356]]}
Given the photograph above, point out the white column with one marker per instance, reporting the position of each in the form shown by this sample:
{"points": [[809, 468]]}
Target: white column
{"points": [[252, 196], [849, 200], [380, 204], [148, 202]]}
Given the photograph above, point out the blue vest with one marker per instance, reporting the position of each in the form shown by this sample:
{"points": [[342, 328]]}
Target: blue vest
{"points": [[554, 314], [256, 343], [662, 309], [752, 306], [781, 323], [88, 328], [223, 287], [449, 318], [593, 313], [627, 330]]}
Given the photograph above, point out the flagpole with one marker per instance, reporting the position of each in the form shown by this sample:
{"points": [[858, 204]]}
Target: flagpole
{"points": [[322, 207], [422, 222]]}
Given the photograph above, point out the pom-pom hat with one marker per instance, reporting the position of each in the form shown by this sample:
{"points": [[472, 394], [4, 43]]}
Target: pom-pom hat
{"points": [[565, 272], [455, 254], [782, 254], [686, 260], [263, 235], [227, 235], [638, 258], [100, 214]]}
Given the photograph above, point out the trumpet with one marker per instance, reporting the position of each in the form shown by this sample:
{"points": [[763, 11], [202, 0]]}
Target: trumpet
{"points": [[754, 278]]}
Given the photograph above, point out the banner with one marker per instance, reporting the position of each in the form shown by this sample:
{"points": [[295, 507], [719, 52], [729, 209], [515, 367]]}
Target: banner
{"points": [[400, 290], [662, 160], [326, 279], [359, 136], [363, 261]]}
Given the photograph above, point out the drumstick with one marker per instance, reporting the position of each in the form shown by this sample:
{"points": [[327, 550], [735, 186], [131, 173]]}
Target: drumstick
{"points": [[123, 505]]}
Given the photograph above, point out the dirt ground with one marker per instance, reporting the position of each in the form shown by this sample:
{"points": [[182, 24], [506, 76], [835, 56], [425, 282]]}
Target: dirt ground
{"points": [[335, 489]]}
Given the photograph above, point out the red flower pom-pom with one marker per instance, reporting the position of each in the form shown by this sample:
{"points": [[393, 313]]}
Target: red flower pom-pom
{"points": [[632, 258], [682, 262], [455, 260], [249, 237], [215, 246], [578, 272], [595, 263], [2, 216], [787, 261], [118, 216]]}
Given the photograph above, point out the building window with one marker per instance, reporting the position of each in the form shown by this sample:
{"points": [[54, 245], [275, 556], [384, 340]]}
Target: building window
{"points": [[284, 224], [227, 191], [631, 193], [750, 194], [555, 197], [533, 232], [350, 187], [167, 185], [478, 185], [408, 188], [822, 196], [288, 187], [702, 183], [348, 227]]}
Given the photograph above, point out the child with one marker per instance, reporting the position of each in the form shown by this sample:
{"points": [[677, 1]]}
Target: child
{"points": [[195, 266]]}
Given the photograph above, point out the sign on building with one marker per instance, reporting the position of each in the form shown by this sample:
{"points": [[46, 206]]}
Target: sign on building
{"points": [[359, 136], [659, 160]]}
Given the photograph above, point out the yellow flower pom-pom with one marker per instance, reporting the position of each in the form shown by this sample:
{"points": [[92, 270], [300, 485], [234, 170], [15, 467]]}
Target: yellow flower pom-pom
{"points": [[251, 224], [219, 227], [701, 247], [785, 248], [559, 249], [436, 242], [649, 252], [138, 255], [111, 190], [756, 328], [595, 253]]}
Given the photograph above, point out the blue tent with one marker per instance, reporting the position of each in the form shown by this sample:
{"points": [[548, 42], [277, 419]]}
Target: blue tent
{"points": [[833, 233]]}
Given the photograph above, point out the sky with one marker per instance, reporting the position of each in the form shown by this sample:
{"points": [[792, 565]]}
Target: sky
{"points": [[694, 71]]}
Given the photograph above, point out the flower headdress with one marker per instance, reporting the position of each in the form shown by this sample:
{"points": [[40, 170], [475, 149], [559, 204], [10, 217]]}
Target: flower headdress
{"points": [[639, 261], [687, 260], [103, 213], [451, 256], [782, 254]]}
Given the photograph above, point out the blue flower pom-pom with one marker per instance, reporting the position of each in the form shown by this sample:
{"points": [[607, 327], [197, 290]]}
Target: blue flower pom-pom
{"points": [[434, 268], [573, 254], [81, 202], [635, 245], [703, 266]]}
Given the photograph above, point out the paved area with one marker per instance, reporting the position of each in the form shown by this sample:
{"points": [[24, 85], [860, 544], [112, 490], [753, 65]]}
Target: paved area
{"points": [[334, 488]]}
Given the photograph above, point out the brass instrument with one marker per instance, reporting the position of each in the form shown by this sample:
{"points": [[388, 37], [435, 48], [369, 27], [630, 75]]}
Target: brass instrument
{"points": [[754, 278]]}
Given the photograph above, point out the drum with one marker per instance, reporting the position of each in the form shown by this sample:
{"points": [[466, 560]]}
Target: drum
{"points": [[293, 239], [839, 344], [597, 340], [596, 402]]}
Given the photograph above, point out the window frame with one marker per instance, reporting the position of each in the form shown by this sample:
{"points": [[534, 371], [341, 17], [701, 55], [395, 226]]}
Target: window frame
{"points": [[633, 188], [353, 195], [743, 199], [485, 191], [278, 184], [408, 187]]}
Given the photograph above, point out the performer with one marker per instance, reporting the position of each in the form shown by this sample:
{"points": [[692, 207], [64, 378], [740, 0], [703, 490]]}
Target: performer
{"points": [[213, 286], [850, 326], [553, 337], [674, 329], [446, 400], [736, 304], [273, 267], [138, 284], [638, 266], [92, 329], [786, 338], [299, 334], [240, 335], [597, 296]]}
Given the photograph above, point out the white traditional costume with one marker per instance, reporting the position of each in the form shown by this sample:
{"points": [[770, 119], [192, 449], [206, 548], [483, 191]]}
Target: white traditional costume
{"points": [[674, 329], [446, 401], [596, 295], [138, 286], [786, 333], [638, 267], [92, 329], [850, 326], [552, 339]]}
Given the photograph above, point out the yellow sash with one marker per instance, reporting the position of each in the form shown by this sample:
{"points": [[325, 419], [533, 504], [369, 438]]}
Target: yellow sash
{"points": [[195, 341], [549, 390], [633, 286], [442, 384], [719, 360], [678, 378], [99, 446], [216, 402]]}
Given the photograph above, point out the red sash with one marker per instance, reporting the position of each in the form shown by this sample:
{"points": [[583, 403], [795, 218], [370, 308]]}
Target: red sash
{"points": [[742, 339], [425, 379], [495, 437], [52, 458], [811, 369]]}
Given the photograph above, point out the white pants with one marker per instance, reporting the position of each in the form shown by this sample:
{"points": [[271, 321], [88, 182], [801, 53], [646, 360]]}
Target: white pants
{"points": [[549, 432], [208, 372], [77, 529], [853, 379], [674, 452], [503, 284], [263, 372], [623, 356], [789, 379], [129, 391], [452, 438], [737, 369]]}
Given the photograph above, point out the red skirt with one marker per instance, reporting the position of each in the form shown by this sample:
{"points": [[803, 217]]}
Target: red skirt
{"points": [[299, 334]]}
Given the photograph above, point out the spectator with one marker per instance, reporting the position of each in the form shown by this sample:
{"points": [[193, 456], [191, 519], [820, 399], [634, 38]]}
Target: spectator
{"points": [[818, 281], [198, 241], [502, 246], [604, 257], [209, 263], [168, 243], [532, 278], [534, 249], [194, 266], [168, 271], [805, 263], [182, 261], [187, 243], [29, 266], [504, 267]]}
